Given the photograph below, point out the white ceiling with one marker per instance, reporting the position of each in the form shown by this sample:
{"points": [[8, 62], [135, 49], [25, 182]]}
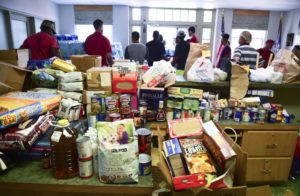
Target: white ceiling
{"points": [[208, 4]]}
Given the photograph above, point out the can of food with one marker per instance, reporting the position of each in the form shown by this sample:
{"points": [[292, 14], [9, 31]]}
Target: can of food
{"points": [[176, 114], [253, 114], [191, 114], [125, 104], [246, 116], [144, 140], [92, 120], [114, 117], [185, 114], [144, 164], [215, 115], [261, 115], [84, 147], [238, 115], [169, 114], [207, 114], [85, 168], [101, 117], [137, 120], [226, 114]]}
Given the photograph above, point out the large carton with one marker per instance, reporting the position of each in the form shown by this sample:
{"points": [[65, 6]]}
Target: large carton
{"points": [[124, 78], [18, 57], [99, 78], [12, 77], [85, 62], [239, 187]]}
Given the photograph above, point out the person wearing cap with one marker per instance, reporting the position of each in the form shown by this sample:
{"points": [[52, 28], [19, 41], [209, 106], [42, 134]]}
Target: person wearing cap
{"points": [[224, 53], [192, 32], [98, 44], [156, 49], [181, 51], [245, 54], [266, 52], [43, 45]]}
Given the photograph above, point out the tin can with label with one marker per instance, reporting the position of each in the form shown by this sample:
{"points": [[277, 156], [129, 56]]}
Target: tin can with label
{"points": [[169, 114], [92, 120], [176, 114], [185, 114], [238, 115], [191, 114], [114, 117], [144, 164], [253, 114], [226, 113], [144, 140], [85, 168], [246, 116], [261, 115], [215, 115], [101, 117], [207, 114], [84, 147]]}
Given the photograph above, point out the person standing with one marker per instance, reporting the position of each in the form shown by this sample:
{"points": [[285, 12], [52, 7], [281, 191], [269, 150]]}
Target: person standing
{"points": [[136, 51], [97, 44], [156, 49], [181, 51], [266, 52], [224, 54], [245, 54], [193, 38], [43, 45]]}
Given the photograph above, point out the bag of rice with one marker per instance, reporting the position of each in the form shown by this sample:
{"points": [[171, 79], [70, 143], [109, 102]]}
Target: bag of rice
{"points": [[118, 152]]}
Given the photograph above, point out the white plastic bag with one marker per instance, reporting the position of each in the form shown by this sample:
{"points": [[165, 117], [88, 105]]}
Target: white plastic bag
{"points": [[201, 71], [219, 74], [266, 75]]}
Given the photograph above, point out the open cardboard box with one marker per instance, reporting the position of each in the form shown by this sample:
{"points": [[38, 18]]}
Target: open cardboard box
{"points": [[239, 188]]}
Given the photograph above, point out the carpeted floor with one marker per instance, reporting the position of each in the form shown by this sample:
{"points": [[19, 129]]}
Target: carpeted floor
{"points": [[286, 188]]}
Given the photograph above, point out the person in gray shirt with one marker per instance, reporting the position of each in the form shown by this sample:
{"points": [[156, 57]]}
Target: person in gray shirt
{"points": [[136, 51]]}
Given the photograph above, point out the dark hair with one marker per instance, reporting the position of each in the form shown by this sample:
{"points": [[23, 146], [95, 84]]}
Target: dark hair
{"points": [[135, 35], [297, 47], [192, 29], [160, 38], [225, 36], [98, 23], [155, 35]]}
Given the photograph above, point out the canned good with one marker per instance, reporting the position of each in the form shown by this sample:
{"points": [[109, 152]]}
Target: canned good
{"points": [[125, 103], [279, 113], [176, 114], [238, 115], [92, 120], [143, 106], [185, 114], [137, 120], [84, 147], [114, 117], [101, 117], [144, 164], [207, 114], [86, 168], [272, 116], [253, 114], [215, 115], [246, 116], [261, 115], [169, 114], [144, 140], [191, 114]]}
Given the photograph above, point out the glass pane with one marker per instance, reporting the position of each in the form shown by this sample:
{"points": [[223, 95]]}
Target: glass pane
{"points": [[83, 31], [207, 16], [160, 14], [176, 15], [152, 14], [136, 13], [168, 33], [184, 15], [168, 15], [19, 32], [192, 16], [137, 28], [206, 35], [38, 23]]}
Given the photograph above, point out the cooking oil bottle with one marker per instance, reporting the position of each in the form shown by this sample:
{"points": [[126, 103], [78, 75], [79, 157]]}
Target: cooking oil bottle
{"points": [[64, 157]]}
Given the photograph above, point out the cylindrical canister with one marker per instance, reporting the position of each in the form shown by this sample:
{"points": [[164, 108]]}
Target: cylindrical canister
{"points": [[238, 115], [144, 164], [84, 147], [114, 117], [86, 168], [144, 140], [92, 120]]}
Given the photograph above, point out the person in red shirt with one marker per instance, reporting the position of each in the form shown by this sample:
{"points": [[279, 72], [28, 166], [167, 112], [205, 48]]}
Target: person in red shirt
{"points": [[43, 45], [192, 31], [97, 44], [266, 52]]}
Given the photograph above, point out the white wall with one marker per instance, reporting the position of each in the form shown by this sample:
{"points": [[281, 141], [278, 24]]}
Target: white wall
{"points": [[44, 9], [121, 24], [273, 25], [66, 19], [290, 24], [3, 34]]}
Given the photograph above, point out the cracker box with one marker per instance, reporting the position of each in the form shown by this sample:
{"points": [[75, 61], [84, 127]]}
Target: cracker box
{"points": [[124, 77], [99, 78], [85, 62], [174, 157], [186, 92]]}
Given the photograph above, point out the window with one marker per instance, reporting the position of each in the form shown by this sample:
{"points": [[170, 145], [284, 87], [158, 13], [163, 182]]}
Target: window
{"points": [[168, 33], [206, 32], [176, 15], [83, 31], [207, 17], [258, 38], [192, 16], [184, 15], [152, 14], [19, 32], [136, 13], [168, 15]]}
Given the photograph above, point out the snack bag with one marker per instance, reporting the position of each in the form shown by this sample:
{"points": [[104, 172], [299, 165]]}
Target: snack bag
{"points": [[118, 152]]}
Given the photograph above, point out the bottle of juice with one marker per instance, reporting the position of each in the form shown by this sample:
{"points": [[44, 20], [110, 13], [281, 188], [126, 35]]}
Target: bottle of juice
{"points": [[64, 157]]}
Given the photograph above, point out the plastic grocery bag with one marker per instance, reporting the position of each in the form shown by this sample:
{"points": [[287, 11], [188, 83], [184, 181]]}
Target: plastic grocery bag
{"points": [[201, 71], [266, 75], [219, 74]]}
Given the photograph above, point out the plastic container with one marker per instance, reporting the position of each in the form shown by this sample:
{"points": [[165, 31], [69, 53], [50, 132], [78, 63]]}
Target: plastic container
{"points": [[64, 157]]}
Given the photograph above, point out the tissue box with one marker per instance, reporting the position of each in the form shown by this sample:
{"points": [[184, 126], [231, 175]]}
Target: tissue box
{"points": [[99, 78], [124, 78]]}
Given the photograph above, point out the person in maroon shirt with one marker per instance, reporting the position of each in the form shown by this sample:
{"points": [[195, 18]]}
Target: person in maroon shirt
{"points": [[97, 44], [266, 52], [193, 39], [43, 45]]}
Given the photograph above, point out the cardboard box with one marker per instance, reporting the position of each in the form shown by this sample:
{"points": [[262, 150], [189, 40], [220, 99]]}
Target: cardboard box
{"points": [[124, 78], [99, 78], [85, 62], [152, 96], [12, 77], [239, 188], [18, 57], [87, 95]]}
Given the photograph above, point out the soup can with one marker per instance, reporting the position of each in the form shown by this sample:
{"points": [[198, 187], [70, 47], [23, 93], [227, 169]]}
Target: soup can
{"points": [[144, 140], [84, 147], [238, 116], [114, 117], [176, 114], [144, 164], [85, 168]]}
